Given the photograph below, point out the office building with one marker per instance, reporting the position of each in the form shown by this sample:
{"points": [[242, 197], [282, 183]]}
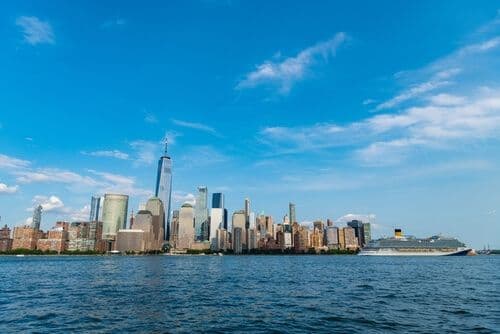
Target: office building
{"points": [[155, 206], [37, 218], [237, 240], [114, 216], [174, 229], [201, 215], [95, 206], [357, 225], [218, 201], [351, 241], [291, 212], [131, 241], [239, 221], [222, 240], [216, 223], [186, 227], [332, 237], [367, 229], [301, 240], [163, 189]]}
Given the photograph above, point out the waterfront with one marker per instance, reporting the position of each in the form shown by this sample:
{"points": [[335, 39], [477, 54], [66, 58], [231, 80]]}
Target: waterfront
{"points": [[60, 294]]}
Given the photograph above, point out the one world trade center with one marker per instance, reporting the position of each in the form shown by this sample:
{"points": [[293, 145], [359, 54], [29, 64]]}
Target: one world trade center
{"points": [[164, 187]]}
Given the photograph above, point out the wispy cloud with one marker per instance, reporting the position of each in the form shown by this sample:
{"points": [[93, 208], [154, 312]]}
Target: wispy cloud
{"points": [[150, 118], [203, 155], [114, 22], [36, 31], [146, 152], [196, 126], [7, 162], [443, 107], [181, 197], [442, 121], [5, 189], [284, 74], [108, 154], [439, 80]]}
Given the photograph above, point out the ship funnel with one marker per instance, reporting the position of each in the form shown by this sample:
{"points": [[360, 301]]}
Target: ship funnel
{"points": [[398, 233]]}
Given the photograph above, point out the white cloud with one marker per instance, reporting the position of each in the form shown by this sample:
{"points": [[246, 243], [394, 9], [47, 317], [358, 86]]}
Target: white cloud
{"points": [[286, 73], [5, 189], [441, 122], [439, 80], [180, 197], [53, 175], [447, 99], [35, 31], [196, 126], [109, 154], [146, 152], [12, 163], [365, 218], [80, 214], [49, 204], [115, 183]]}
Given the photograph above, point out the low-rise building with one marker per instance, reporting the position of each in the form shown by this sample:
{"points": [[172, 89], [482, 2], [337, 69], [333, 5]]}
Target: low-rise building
{"points": [[25, 237], [5, 239], [56, 240]]}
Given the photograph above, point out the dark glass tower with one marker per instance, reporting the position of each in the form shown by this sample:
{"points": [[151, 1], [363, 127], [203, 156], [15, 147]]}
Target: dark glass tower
{"points": [[164, 188]]}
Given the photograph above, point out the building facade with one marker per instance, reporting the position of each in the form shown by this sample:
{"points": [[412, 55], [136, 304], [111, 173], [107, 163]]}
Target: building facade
{"points": [[114, 216], [201, 215], [186, 227]]}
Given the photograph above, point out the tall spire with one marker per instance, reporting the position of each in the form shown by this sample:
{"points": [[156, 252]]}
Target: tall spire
{"points": [[166, 145]]}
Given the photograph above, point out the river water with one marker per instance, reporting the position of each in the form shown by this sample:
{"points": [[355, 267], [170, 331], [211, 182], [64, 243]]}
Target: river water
{"points": [[259, 294]]}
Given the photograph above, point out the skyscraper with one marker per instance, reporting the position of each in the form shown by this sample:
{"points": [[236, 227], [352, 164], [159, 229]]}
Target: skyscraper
{"points": [[114, 215], [359, 232], [164, 188], [247, 213], [155, 206], [218, 201], [291, 209], [201, 215], [37, 218], [218, 219], [95, 204], [239, 222], [185, 233]]}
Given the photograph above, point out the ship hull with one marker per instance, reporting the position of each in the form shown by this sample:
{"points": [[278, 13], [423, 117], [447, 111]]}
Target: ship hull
{"points": [[396, 252]]}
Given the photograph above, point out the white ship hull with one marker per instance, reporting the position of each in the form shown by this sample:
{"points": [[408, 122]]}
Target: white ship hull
{"points": [[396, 252]]}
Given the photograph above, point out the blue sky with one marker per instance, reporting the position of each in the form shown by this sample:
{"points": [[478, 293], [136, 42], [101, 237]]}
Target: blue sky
{"points": [[388, 110]]}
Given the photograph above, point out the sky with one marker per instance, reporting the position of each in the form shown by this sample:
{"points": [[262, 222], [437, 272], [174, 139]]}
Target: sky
{"points": [[387, 111]]}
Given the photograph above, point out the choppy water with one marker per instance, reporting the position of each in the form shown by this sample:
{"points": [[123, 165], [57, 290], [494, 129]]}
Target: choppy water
{"points": [[275, 294]]}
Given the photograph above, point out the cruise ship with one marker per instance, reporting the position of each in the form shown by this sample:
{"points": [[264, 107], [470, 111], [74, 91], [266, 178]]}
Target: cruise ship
{"points": [[400, 245]]}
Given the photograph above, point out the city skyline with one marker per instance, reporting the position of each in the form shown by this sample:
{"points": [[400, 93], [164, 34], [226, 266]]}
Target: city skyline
{"points": [[331, 110]]}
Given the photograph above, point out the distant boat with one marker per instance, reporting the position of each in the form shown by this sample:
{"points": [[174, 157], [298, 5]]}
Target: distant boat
{"points": [[410, 246], [220, 254], [20, 255]]}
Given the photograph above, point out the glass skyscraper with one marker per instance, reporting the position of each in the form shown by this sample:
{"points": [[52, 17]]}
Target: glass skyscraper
{"points": [[164, 188], [217, 201], [201, 215], [95, 204]]}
